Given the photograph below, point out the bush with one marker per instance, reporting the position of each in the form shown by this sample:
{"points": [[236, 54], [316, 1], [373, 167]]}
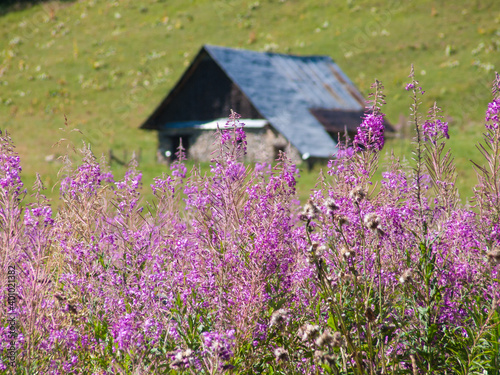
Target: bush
{"points": [[226, 273]]}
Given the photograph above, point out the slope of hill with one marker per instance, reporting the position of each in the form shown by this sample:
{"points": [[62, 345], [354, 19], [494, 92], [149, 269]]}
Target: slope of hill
{"points": [[105, 65]]}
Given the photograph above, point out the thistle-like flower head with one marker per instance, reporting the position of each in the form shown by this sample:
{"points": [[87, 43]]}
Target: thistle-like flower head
{"points": [[357, 194], [281, 354], [372, 221]]}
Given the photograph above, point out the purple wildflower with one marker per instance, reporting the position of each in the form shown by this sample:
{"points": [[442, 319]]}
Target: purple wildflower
{"points": [[240, 133], [370, 133], [178, 170], [34, 217], [413, 85], [225, 136], [126, 283], [162, 185], [435, 130], [220, 344], [86, 181], [492, 120], [10, 166], [344, 153]]}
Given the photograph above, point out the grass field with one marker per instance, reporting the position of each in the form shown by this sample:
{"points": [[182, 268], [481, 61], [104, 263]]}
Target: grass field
{"points": [[105, 65]]}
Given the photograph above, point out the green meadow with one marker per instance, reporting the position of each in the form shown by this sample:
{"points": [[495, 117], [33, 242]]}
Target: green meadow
{"points": [[92, 71]]}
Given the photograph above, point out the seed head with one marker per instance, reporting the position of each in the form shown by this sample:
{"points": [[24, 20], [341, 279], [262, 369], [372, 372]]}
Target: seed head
{"points": [[308, 332], [327, 338], [310, 211], [302, 217], [370, 315], [372, 221], [357, 194], [324, 357], [342, 220], [346, 252], [338, 340], [321, 250], [318, 355], [281, 354], [279, 317], [494, 256], [331, 206], [313, 248], [181, 360], [406, 276]]}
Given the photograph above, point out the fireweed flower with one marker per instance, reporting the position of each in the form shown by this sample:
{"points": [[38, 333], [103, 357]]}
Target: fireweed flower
{"points": [[413, 85], [435, 130], [263, 168], [225, 136], [162, 186], [240, 134], [370, 135], [220, 344], [178, 170], [127, 190], [34, 217], [492, 119], [86, 180], [10, 170], [195, 259]]}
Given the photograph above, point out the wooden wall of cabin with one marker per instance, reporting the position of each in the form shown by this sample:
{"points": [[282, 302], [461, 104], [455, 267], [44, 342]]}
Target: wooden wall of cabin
{"points": [[206, 93]]}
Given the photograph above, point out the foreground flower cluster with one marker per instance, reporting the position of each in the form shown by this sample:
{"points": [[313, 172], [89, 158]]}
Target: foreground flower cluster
{"points": [[225, 273]]}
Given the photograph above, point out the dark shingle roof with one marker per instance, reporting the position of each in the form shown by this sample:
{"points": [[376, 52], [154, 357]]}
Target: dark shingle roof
{"points": [[285, 88]]}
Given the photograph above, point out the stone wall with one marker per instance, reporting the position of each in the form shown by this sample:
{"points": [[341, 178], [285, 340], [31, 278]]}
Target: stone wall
{"points": [[263, 144]]}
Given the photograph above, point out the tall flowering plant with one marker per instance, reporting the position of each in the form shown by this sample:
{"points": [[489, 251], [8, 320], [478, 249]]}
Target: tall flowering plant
{"points": [[401, 275], [487, 192], [223, 272]]}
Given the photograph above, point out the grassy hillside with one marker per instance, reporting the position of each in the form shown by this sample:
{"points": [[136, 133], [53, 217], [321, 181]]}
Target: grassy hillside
{"points": [[106, 65]]}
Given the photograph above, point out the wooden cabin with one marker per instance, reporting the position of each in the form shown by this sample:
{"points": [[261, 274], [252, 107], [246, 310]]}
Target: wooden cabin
{"points": [[297, 104]]}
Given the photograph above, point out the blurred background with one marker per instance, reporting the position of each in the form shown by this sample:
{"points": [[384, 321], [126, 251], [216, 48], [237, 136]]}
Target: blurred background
{"points": [[102, 67]]}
